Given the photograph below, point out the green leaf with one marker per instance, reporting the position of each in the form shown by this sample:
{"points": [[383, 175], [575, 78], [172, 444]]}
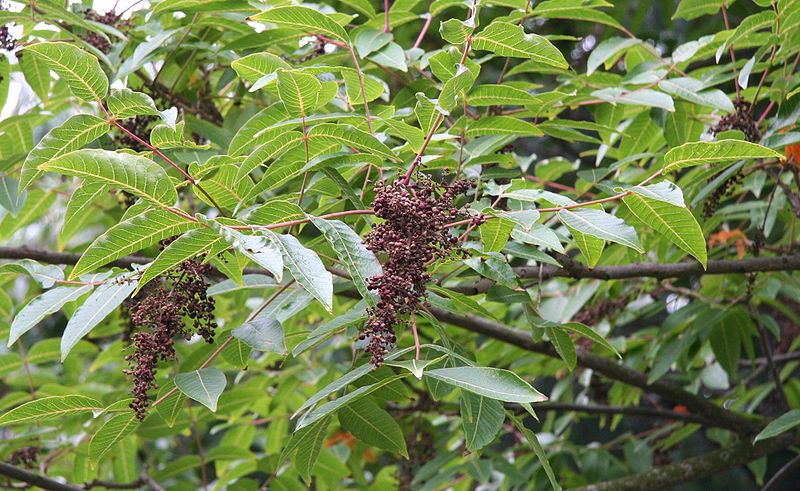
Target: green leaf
{"points": [[170, 408], [79, 69], [506, 39], [482, 418], [499, 95], [305, 445], [299, 92], [563, 345], [782, 424], [256, 248], [749, 25], [37, 74], [533, 441], [661, 207], [204, 386], [590, 333], [305, 19], [262, 334], [575, 10], [259, 68], [493, 383], [79, 209], [416, 367], [373, 426], [390, 56], [137, 175], [359, 261], [502, 125], [725, 340], [368, 41], [639, 97], [115, 429], [125, 103], [11, 197], [190, 245], [76, 132], [591, 247], [271, 149], [460, 303], [608, 52], [721, 152], [495, 234], [373, 87], [164, 137], [42, 307], [49, 408], [131, 235], [456, 31], [104, 300], [602, 225], [691, 9], [455, 88], [352, 137], [691, 90], [305, 266]]}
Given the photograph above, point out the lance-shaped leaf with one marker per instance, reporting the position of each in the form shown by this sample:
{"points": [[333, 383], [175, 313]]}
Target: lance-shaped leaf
{"points": [[482, 418], [115, 429], [281, 143], [721, 152], [46, 274], [305, 445], [131, 235], [11, 197], [258, 68], [104, 300], [42, 307], [305, 266], [49, 408], [79, 209], [455, 88], [779, 425], [373, 425], [204, 386], [563, 345], [262, 334], [352, 137], [79, 69], [305, 19], [299, 92], [494, 383], [691, 90], [137, 175], [256, 248], [500, 95], [456, 31], [75, 133], [37, 74], [187, 246], [359, 261], [506, 39], [691, 9], [368, 41], [661, 207], [125, 103], [602, 225]]}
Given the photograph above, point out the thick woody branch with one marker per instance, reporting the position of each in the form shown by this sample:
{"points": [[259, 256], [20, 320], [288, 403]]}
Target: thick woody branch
{"points": [[672, 475], [641, 411], [573, 269], [696, 404]]}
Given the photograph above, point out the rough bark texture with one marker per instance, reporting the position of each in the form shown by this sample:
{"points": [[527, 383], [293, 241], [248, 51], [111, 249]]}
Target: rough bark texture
{"points": [[697, 467]]}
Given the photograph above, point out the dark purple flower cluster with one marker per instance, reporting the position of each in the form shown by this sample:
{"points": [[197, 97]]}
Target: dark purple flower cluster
{"points": [[159, 316], [26, 456], [139, 125], [413, 235], [110, 19], [7, 41]]}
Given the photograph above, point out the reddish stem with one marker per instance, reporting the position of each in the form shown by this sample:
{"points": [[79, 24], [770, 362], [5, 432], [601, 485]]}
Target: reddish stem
{"points": [[303, 220], [424, 30]]}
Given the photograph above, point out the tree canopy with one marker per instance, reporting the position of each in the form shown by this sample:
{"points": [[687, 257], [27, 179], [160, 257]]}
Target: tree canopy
{"points": [[460, 244]]}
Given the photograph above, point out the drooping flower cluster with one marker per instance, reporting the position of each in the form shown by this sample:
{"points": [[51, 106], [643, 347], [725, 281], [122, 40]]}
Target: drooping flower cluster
{"points": [[7, 41], [139, 125], [159, 319], [741, 119], [412, 236], [110, 19], [26, 456]]}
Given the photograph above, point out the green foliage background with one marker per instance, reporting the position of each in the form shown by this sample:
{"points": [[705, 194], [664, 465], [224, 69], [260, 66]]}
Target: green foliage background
{"points": [[626, 317]]}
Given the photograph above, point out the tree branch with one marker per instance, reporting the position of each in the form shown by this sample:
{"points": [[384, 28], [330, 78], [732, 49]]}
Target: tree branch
{"points": [[647, 412], [573, 269], [699, 467], [696, 404], [35, 479]]}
